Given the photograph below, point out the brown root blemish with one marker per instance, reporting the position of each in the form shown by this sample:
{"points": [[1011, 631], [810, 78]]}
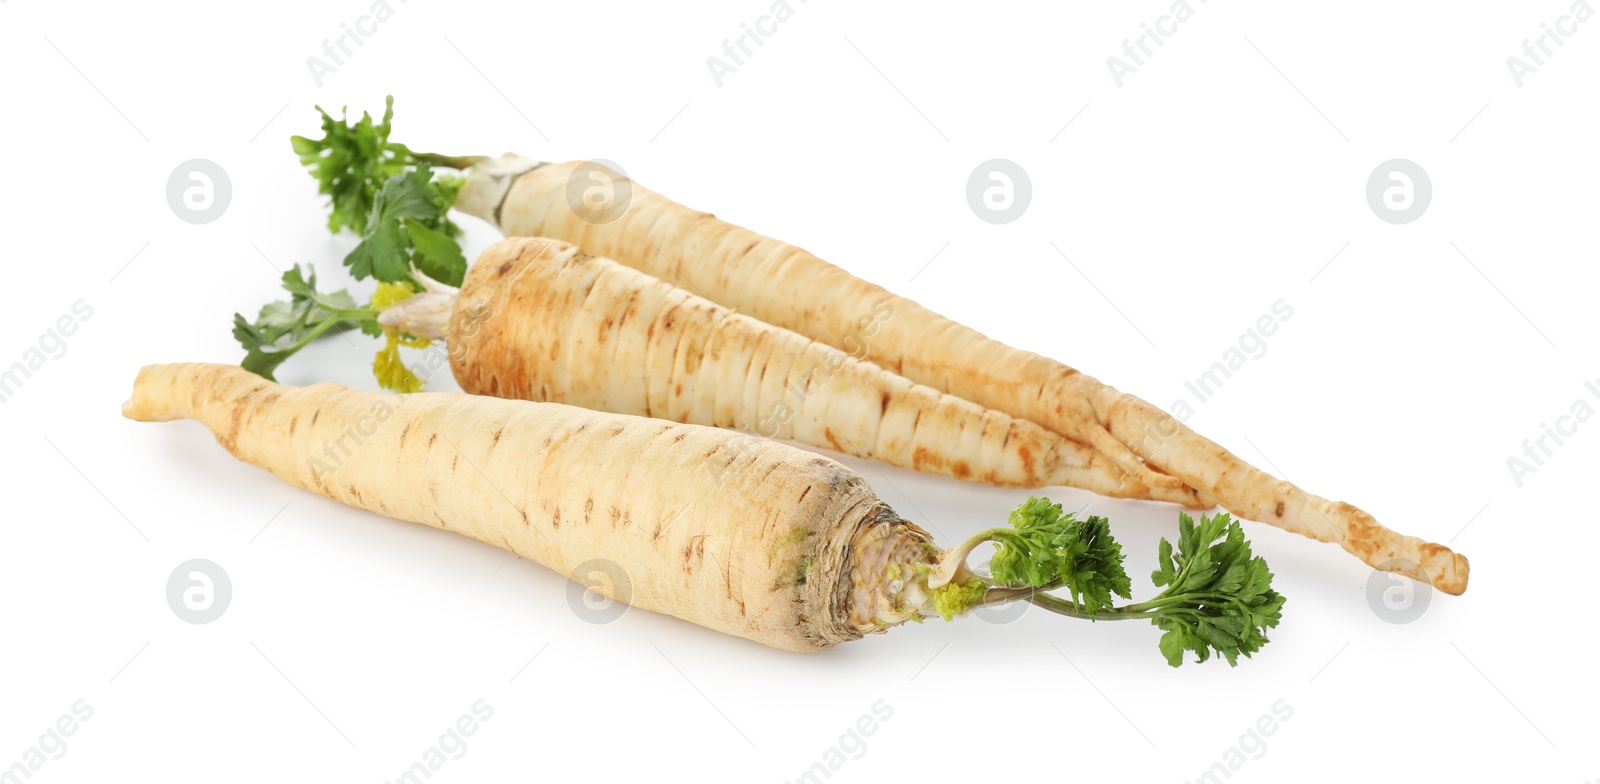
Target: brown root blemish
{"points": [[827, 433], [694, 553]]}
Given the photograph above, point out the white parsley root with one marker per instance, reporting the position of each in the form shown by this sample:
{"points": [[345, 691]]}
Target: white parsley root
{"points": [[766, 542], [381, 189], [763, 547], [541, 320]]}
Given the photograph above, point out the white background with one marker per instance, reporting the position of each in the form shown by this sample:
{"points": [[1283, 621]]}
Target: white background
{"points": [[1223, 175]]}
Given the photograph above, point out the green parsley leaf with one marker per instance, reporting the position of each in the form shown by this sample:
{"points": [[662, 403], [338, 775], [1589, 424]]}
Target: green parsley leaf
{"points": [[408, 227], [436, 254], [350, 162], [1048, 546], [283, 328], [383, 254], [1217, 597]]}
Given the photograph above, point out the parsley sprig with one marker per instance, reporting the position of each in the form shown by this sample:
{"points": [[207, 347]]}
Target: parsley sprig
{"points": [[350, 162], [407, 227], [282, 328], [1217, 596], [395, 201]]}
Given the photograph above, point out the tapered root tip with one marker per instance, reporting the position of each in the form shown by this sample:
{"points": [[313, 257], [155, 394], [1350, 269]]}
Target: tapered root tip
{"points": [[162, 393], [139, 406], [1452, 579], [1441, 567]]}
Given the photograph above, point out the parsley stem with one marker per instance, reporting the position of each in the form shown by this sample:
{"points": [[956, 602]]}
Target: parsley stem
{"points": [[1208, 598], [955, 559], [459, 162], [1071, 609], [313, 334]]}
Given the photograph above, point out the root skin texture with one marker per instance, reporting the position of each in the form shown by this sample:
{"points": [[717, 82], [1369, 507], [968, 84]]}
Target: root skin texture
{"points": [[787, 287]]}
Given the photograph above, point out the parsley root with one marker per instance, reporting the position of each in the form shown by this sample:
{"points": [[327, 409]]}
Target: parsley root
{"points": [[541, 320], [783, 547], [780, 546], [787, 287]]}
